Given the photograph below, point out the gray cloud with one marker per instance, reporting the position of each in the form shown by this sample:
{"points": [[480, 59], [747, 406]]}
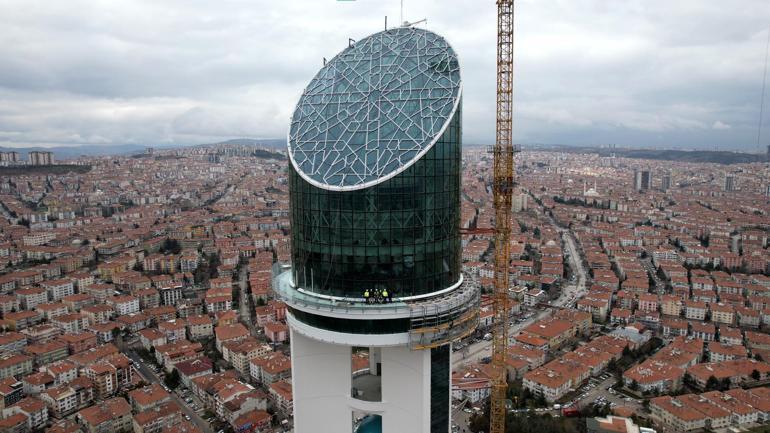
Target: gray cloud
{"points": [[684, 73]]}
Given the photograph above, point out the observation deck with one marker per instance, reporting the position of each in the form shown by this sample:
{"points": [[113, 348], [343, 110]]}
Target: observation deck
{"points": [[426, 322]]}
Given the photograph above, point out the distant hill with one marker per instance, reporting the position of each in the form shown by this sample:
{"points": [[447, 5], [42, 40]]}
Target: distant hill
{"points": [[266, 154], [279, 144], [67, 152], [273, 143], [702, 156], [72, 152]]}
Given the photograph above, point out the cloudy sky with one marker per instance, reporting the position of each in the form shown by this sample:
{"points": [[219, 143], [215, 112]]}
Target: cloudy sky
{"points": [[678, 74]]}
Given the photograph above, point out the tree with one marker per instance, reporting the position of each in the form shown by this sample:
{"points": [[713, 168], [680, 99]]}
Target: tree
{"points": [[214, 262], [634, 385], [172, 379], [725, 384], [688, 380], [171, 246], [755, 374], [712, 383], [516, 423], [480, 422], [236, 297]]}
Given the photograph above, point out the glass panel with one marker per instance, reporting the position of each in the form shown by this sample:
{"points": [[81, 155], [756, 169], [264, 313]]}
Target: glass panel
{"points": [[386, 326], [412, 219], [439, 389], [366, 423], [382, 89]]}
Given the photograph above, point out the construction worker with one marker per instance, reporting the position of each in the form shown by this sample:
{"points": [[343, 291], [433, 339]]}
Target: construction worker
{"points": [[384, 295], [366, 295]]}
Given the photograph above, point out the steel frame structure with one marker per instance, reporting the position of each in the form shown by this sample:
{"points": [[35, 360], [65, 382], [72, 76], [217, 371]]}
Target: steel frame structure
{"points": [[502, 190]]}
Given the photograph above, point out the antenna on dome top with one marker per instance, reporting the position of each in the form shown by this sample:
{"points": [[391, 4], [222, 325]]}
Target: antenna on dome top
{"points": [[408, 24]]}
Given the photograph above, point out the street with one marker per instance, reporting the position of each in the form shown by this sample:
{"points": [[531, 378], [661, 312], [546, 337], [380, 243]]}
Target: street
{"points": [[245, 303], [660, 286]]}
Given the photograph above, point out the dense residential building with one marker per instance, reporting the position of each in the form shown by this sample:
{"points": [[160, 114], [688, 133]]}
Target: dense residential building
{"points": [[153, 261], [113, 415]]}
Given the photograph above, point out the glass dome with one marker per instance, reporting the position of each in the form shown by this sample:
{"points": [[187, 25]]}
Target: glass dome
{"points": [[375, 109]]}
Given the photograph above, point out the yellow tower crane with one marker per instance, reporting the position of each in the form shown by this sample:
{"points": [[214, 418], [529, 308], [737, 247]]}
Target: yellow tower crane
{"points": [[502, 190]]}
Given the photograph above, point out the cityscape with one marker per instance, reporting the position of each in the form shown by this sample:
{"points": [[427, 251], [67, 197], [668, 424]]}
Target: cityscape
{"points": [[376, 271]]}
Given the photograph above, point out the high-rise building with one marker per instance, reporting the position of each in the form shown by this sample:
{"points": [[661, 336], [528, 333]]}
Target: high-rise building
{"points": [[729, 185], [642, 179], [40, 158], [519, 202], [375, 154], [9, 157], [665, 182]]}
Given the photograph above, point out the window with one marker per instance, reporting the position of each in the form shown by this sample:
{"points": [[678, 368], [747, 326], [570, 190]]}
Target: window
{"points": [[366, 373], [366, 423]]}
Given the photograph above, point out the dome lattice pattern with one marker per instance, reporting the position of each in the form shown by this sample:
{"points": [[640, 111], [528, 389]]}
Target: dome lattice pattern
{"points": [[374, 109]]}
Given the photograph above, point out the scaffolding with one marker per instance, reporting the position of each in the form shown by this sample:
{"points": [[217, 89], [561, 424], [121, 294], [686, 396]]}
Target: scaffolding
{"points": [[444, 319]]}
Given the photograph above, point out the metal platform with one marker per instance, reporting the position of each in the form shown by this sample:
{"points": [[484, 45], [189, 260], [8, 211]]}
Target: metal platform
{"points": [[433, 322], [441, 320]]}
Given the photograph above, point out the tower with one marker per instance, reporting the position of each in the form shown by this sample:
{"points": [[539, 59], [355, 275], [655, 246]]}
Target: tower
{"points": [[642, 179], [729, 185], [665, 182], [375, 153]]}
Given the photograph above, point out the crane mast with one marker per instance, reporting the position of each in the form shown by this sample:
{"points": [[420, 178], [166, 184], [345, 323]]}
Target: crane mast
{"points": [[502, 191]]}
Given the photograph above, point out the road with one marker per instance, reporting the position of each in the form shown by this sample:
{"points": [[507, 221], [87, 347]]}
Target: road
{"points": [[245, 304], [151, 377], [575, 261], [660, 286]]}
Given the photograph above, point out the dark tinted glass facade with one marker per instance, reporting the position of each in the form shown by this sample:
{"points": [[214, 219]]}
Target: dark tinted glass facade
{"points": [[401, 234], [439, 389], [349, 326]]}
